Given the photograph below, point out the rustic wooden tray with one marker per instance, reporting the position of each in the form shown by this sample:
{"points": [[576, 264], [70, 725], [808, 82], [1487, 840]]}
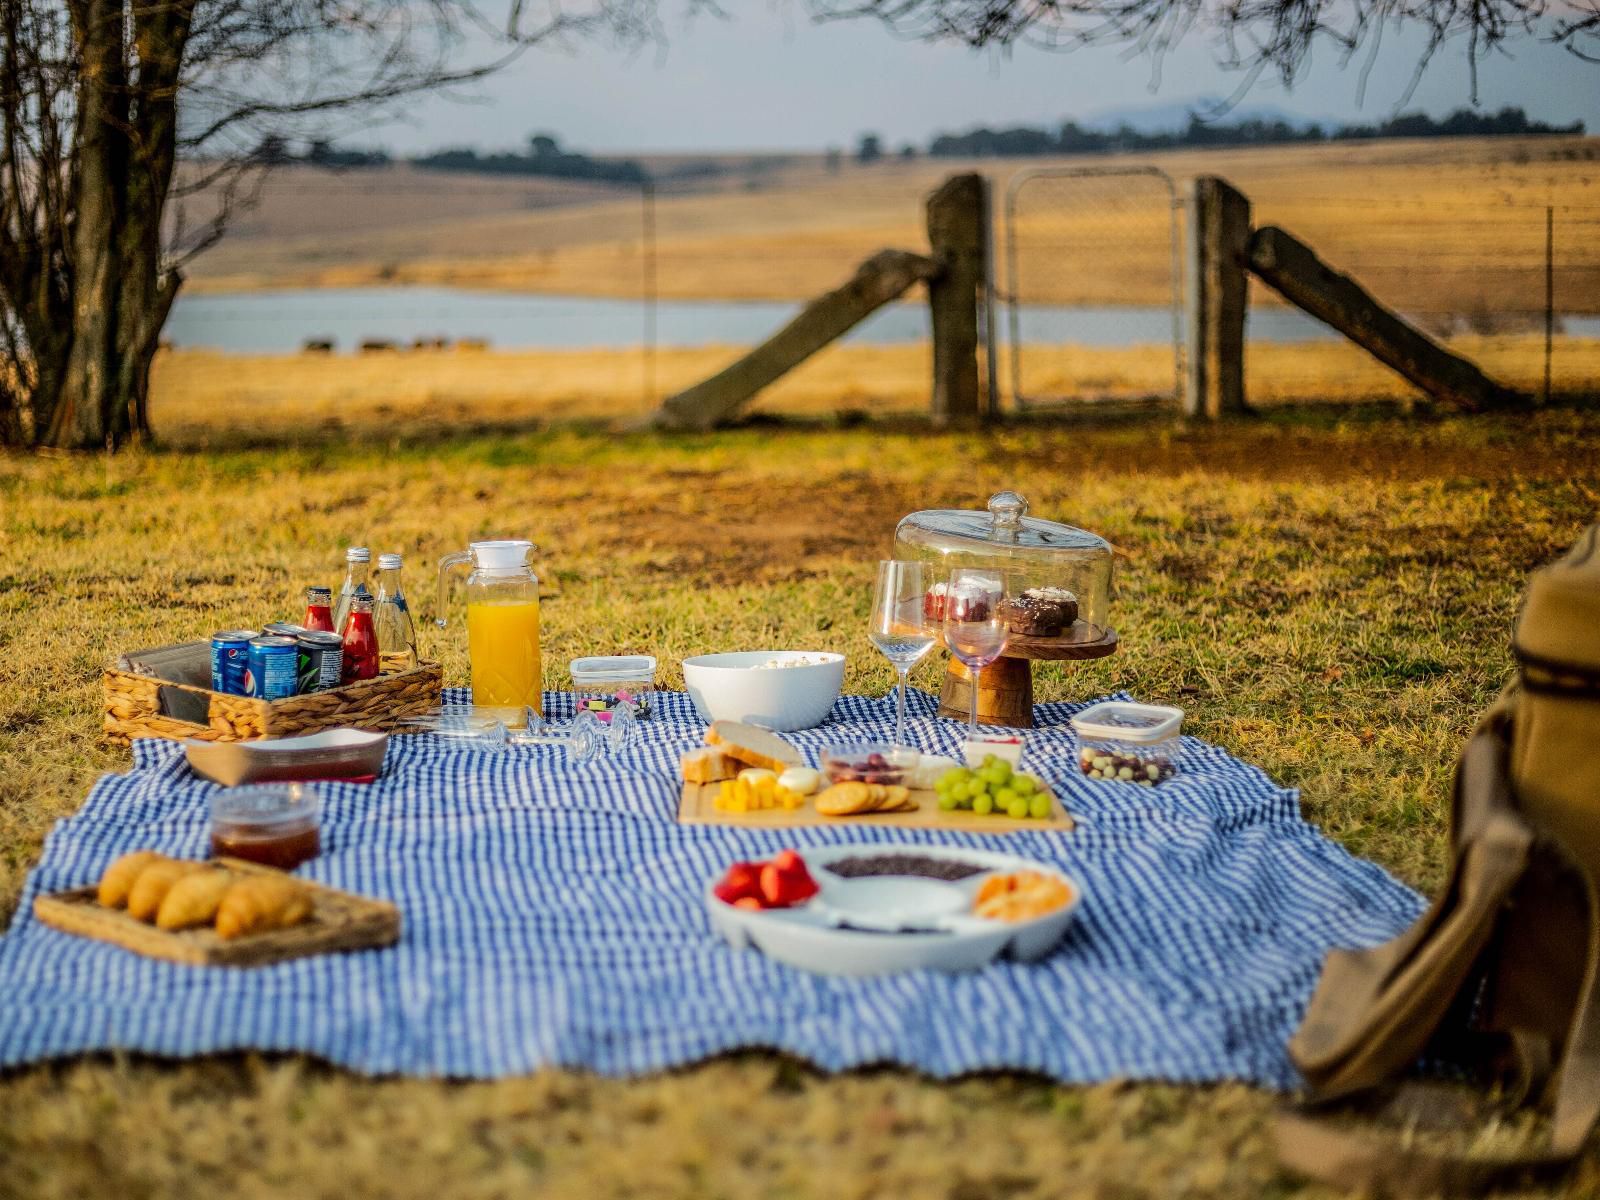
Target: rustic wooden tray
{"points": [[339, 921], [698, 806]]}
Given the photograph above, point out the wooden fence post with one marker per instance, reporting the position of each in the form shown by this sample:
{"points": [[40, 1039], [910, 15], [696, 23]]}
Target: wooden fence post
{"points": [[1219, 248], [959, 236]]}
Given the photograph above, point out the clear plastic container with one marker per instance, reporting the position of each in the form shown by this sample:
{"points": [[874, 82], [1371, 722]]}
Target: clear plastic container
{"points": [[1043, 557], [275, 824], [599, 683], [1122, 742]]}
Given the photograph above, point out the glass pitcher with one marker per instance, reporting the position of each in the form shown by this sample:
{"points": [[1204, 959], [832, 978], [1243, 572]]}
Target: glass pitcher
{"points": [[502, 624]]}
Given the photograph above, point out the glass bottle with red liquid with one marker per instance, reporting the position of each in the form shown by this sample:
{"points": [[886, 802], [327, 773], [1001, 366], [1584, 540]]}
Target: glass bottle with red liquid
{"points": [[360, 641], [319, 609]]}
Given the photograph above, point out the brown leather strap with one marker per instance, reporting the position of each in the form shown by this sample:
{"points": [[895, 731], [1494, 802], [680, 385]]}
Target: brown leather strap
{"points": [[1374, 1010], [1577, 1109], [1381, 1163]]}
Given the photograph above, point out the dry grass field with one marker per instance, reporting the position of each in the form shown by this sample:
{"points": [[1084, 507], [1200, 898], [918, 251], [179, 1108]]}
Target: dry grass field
{"points": [[1452, 227], [1328, 593], [205, 399]]}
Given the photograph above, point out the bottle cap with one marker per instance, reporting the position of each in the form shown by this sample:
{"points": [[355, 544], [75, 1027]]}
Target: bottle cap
{"points": [[388, 562], [361, 602], [358, 554]]}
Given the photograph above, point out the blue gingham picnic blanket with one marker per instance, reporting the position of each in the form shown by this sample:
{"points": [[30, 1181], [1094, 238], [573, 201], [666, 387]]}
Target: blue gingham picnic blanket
{"points": [[554, 915]]}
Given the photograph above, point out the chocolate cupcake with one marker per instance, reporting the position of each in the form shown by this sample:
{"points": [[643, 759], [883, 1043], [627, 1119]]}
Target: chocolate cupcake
{"points": [[1066, 600], [1032, 617]]}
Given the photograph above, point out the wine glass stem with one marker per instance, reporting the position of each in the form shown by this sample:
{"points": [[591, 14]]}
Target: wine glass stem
{"points": [[972, 717], [900, 710]]}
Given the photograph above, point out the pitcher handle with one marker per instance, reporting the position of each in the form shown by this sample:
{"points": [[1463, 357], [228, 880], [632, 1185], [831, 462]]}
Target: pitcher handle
{"points": [[448, 563]]}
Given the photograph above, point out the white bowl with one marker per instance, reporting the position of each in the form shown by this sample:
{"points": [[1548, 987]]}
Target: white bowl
{"points": [[739, 687]]}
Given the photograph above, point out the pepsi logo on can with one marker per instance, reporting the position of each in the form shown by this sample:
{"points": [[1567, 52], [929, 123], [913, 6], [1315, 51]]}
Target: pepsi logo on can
{"points": [[230, 655], [272, 668]]}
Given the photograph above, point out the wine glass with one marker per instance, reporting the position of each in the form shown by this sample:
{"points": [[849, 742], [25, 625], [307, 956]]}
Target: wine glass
{"points": [[974, 630], [899, 628]]}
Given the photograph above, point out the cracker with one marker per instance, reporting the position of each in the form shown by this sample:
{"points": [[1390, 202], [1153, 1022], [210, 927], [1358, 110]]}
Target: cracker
{"points": [[846, 800]]}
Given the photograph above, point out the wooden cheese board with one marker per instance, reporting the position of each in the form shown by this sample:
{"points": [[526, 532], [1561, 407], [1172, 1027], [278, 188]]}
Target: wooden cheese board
{"points": [[339, 921], [698, 806]]}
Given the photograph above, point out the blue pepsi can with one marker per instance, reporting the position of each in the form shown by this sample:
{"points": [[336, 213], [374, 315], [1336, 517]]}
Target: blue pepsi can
{"points": [[230, 654], [273, 668]]}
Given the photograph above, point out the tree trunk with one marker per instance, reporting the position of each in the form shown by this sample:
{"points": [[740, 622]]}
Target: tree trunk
{"points": [[93, 385], [87, 393]]}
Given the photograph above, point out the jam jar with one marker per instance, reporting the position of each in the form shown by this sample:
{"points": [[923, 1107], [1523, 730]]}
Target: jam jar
{"points": [[276, 824]]}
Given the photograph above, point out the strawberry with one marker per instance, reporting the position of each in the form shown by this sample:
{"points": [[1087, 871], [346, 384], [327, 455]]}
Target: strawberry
{"points": [[742, 881], [785, 881], [749, 902]]}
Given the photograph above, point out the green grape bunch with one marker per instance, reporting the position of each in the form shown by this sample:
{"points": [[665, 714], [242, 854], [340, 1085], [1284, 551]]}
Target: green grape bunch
{"points": [[994, 788]]}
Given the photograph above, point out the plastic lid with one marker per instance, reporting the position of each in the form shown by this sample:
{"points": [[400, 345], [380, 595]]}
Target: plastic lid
{"points": [[613, 668], [1124, 721], [501, 555], [388, 562], [1005, 523], [358, 554], [267, 809]]}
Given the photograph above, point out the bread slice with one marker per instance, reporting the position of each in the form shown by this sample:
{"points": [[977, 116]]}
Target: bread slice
{"points": [[708, 764], [753, 746]]}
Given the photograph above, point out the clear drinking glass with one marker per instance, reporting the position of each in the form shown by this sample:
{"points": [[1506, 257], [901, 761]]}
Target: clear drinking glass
{"points": [[583, 740], [899, 627], [973, 628]]}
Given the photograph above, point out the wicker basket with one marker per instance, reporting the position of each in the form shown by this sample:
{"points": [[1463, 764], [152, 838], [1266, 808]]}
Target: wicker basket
{"points": [[134, 707]]}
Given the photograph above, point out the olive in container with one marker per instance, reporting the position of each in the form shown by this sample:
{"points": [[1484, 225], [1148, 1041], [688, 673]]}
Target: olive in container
{"points": [[275, 824], [1122, 742]]}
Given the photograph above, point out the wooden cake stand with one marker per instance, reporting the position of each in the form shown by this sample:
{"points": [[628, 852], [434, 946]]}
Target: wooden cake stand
{"points": [[1005, 686]]}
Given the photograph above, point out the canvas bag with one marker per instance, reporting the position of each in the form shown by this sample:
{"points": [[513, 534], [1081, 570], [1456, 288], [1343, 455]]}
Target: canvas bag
{"points": [[1509, 951]]}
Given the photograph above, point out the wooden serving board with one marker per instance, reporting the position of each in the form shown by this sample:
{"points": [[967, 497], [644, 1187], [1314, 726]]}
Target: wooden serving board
{"points": [[698, 806], [339, 921]]}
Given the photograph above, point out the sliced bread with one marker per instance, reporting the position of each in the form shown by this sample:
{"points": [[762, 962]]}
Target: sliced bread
{"points": [[708, 764], [752, 745]]}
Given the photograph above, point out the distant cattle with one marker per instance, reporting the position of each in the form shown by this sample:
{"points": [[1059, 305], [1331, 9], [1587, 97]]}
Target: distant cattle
{"points": [[317, 346], [430, 343], [472, 343], [378, 346]]}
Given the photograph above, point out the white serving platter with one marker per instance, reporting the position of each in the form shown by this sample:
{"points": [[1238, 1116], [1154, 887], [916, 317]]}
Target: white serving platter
{"points": [[880, 925], [331, 754]]}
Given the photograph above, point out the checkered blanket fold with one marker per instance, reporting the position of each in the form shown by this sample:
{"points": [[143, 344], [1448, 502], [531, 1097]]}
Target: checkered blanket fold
{"points": [[554, 916]]}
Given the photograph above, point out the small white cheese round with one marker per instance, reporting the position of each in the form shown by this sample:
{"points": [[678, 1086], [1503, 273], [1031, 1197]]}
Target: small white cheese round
{"points": [[802, 780]]}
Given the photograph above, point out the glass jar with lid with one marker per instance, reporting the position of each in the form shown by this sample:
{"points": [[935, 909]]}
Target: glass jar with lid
{"points": [[1034, 553]]}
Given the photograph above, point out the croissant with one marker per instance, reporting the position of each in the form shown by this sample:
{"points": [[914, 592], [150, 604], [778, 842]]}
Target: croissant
{"points": [[118, 879], [194, 900], [153, 884], [261, 904]]}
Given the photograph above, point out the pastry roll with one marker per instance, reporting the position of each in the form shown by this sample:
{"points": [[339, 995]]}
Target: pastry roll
{"points": [[153, 884], [194, 900], [118, 879], [260, 904]]}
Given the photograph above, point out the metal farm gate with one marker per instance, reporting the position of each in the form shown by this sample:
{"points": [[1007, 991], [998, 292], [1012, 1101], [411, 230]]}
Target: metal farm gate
{"points": [[1093, 268]]}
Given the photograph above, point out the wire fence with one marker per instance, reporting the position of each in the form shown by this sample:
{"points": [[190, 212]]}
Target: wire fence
{"points": [[1085, 262]]}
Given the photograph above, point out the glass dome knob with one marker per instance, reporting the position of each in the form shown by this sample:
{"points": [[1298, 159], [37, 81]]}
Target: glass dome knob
{"points": [[1006, 510]]}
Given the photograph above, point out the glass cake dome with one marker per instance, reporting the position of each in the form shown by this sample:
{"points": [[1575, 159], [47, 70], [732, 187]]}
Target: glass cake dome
{"points": [[1034, 553]]}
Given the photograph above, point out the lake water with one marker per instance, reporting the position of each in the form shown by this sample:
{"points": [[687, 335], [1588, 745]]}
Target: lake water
{"points": [[279, 322]]}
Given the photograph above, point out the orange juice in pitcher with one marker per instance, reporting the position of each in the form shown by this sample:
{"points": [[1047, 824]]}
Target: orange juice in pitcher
{"points": [[502, 625], [503, 643]]}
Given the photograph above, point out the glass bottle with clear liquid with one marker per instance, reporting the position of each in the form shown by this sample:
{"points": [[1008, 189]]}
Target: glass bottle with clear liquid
{"points": [[357, 577], [397, 635]]}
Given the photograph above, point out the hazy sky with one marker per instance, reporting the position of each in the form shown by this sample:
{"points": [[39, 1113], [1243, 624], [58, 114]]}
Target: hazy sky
{"points": [[770, 78]]}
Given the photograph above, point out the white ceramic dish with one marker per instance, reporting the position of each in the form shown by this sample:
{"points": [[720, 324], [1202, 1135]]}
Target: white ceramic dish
{"points": [[331, 754], [741, 687], [880, 925]]}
